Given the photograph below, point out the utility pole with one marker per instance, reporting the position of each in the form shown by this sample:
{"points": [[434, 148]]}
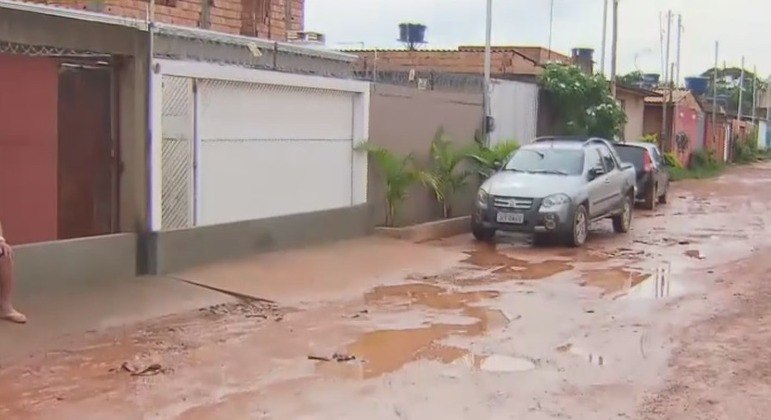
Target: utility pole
{"points": [[604, 35], [488, 70], [679, 43], [614, 50], [741, 92], [664, 126], [551, 25], [714, 96], [754, 93]]}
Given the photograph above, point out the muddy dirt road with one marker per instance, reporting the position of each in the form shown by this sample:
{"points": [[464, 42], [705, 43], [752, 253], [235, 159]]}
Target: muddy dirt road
{"points": [[670, 321]]}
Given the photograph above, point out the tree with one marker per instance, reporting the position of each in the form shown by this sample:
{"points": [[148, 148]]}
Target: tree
{"points": [[444, 177], [582, 103], [728, 80], [631, 79]]}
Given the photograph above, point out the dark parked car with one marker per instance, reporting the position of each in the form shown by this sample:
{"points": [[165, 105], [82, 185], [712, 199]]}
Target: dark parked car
{"points": [[652, 171]]}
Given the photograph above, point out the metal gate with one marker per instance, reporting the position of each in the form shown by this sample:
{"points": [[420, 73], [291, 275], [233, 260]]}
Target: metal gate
{"points": [[177, 155]]}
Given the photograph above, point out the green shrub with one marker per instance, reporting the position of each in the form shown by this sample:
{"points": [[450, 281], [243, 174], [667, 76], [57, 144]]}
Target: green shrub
{"points": [[746, 148], [490, 159], [703, 164], [399, 174], [672, 161], [703, 159], [446, 175], [650, 138]]}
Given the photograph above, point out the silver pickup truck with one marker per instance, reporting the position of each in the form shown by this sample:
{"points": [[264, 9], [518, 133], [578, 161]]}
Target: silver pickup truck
{"points": [[556, 186]]}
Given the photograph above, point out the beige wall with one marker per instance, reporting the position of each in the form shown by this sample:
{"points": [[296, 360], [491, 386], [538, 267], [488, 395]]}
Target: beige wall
{"points": [[634, 105], [404, 120]]}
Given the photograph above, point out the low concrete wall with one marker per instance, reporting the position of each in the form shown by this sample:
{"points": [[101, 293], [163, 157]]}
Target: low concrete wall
{"points": [[170, 251], [66, 265], [428, 231]]}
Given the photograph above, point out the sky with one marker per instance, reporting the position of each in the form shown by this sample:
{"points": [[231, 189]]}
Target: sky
{"points": [[742, 27]]}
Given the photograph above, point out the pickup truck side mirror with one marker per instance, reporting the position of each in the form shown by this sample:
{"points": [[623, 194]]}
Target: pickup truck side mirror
{"points": [[596, 172]]}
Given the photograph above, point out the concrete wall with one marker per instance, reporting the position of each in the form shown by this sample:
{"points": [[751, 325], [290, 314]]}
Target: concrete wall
{"points": [[28, 148], [634, 107], [404, 120], [67, 265], [169, 251]]}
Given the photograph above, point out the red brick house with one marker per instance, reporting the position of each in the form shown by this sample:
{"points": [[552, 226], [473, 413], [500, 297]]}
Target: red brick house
{"points": [[270, 19], [507, 61]]}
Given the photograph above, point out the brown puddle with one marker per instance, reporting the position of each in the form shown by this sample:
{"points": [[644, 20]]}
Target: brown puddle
{"points": [[515, 268], [612, 280], [382, 351]]}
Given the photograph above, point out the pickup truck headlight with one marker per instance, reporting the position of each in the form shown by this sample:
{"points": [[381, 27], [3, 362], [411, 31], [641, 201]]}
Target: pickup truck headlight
{"points": [[482, 198], [555, 200]]}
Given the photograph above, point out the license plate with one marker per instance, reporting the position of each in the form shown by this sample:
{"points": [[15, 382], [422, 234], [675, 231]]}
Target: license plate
{"points": [[517, 218]]}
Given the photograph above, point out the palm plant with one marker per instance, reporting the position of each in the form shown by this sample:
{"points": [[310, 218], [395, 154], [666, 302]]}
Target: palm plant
{"points": [[489, 159], [399, 174], [444, 178]]}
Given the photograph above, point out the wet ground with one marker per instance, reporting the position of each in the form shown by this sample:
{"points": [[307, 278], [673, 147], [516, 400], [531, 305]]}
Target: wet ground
{"points": [[669, 321]]}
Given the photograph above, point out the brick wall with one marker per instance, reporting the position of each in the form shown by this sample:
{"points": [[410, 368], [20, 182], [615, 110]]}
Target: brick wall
{"points": [[271, 19], [503, 62], [262, 18]]}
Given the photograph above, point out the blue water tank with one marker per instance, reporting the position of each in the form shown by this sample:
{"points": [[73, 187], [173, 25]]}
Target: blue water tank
{"points": [[404, 32], [413, 33], [697, 85]]}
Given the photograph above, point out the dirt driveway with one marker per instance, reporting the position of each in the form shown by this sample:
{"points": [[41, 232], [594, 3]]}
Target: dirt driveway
{"points": [[670, 321]]}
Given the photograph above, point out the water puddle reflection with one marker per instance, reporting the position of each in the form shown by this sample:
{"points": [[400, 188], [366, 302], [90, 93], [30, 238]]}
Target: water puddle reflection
{"points": [[612, 280], [657, 286]]}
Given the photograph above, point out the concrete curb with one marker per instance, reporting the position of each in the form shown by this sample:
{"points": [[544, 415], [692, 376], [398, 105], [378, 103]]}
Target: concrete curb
{"points": [[428, 231]]}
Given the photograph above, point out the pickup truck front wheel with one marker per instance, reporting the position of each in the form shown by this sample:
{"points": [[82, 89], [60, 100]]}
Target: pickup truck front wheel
{"points": [[482, 233], [576, 235], [623, 221]]}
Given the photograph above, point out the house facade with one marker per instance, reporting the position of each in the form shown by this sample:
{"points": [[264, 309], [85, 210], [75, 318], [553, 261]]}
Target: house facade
{"points": [[114, 163], [632, 101], [685, 122]]}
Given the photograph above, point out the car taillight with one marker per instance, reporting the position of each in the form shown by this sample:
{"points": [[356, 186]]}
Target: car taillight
{"points": [[647, 162]]}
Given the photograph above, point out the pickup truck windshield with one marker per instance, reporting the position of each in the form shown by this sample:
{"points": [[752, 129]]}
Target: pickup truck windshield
{"points": [[548, 161]]}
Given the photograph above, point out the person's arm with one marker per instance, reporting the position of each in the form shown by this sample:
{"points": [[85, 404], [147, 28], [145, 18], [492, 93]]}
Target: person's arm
{"points": [[2, 238]]}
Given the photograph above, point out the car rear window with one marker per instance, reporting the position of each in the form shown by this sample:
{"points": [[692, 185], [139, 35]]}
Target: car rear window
{"points": [[631, 154]]}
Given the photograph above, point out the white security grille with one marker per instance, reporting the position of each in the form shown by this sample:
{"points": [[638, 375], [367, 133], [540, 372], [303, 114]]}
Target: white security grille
{"points": [[178, 197], [270, 150]]}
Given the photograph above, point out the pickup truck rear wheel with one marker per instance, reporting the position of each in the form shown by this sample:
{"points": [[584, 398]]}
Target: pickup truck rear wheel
{"points": [[576, 235], [623, 221]]}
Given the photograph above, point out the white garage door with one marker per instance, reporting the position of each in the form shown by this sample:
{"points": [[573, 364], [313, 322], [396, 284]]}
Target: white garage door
{"points": [[269, 150]]}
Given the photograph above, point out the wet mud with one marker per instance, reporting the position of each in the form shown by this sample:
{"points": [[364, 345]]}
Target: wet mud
{"points": [[591, 329]]}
